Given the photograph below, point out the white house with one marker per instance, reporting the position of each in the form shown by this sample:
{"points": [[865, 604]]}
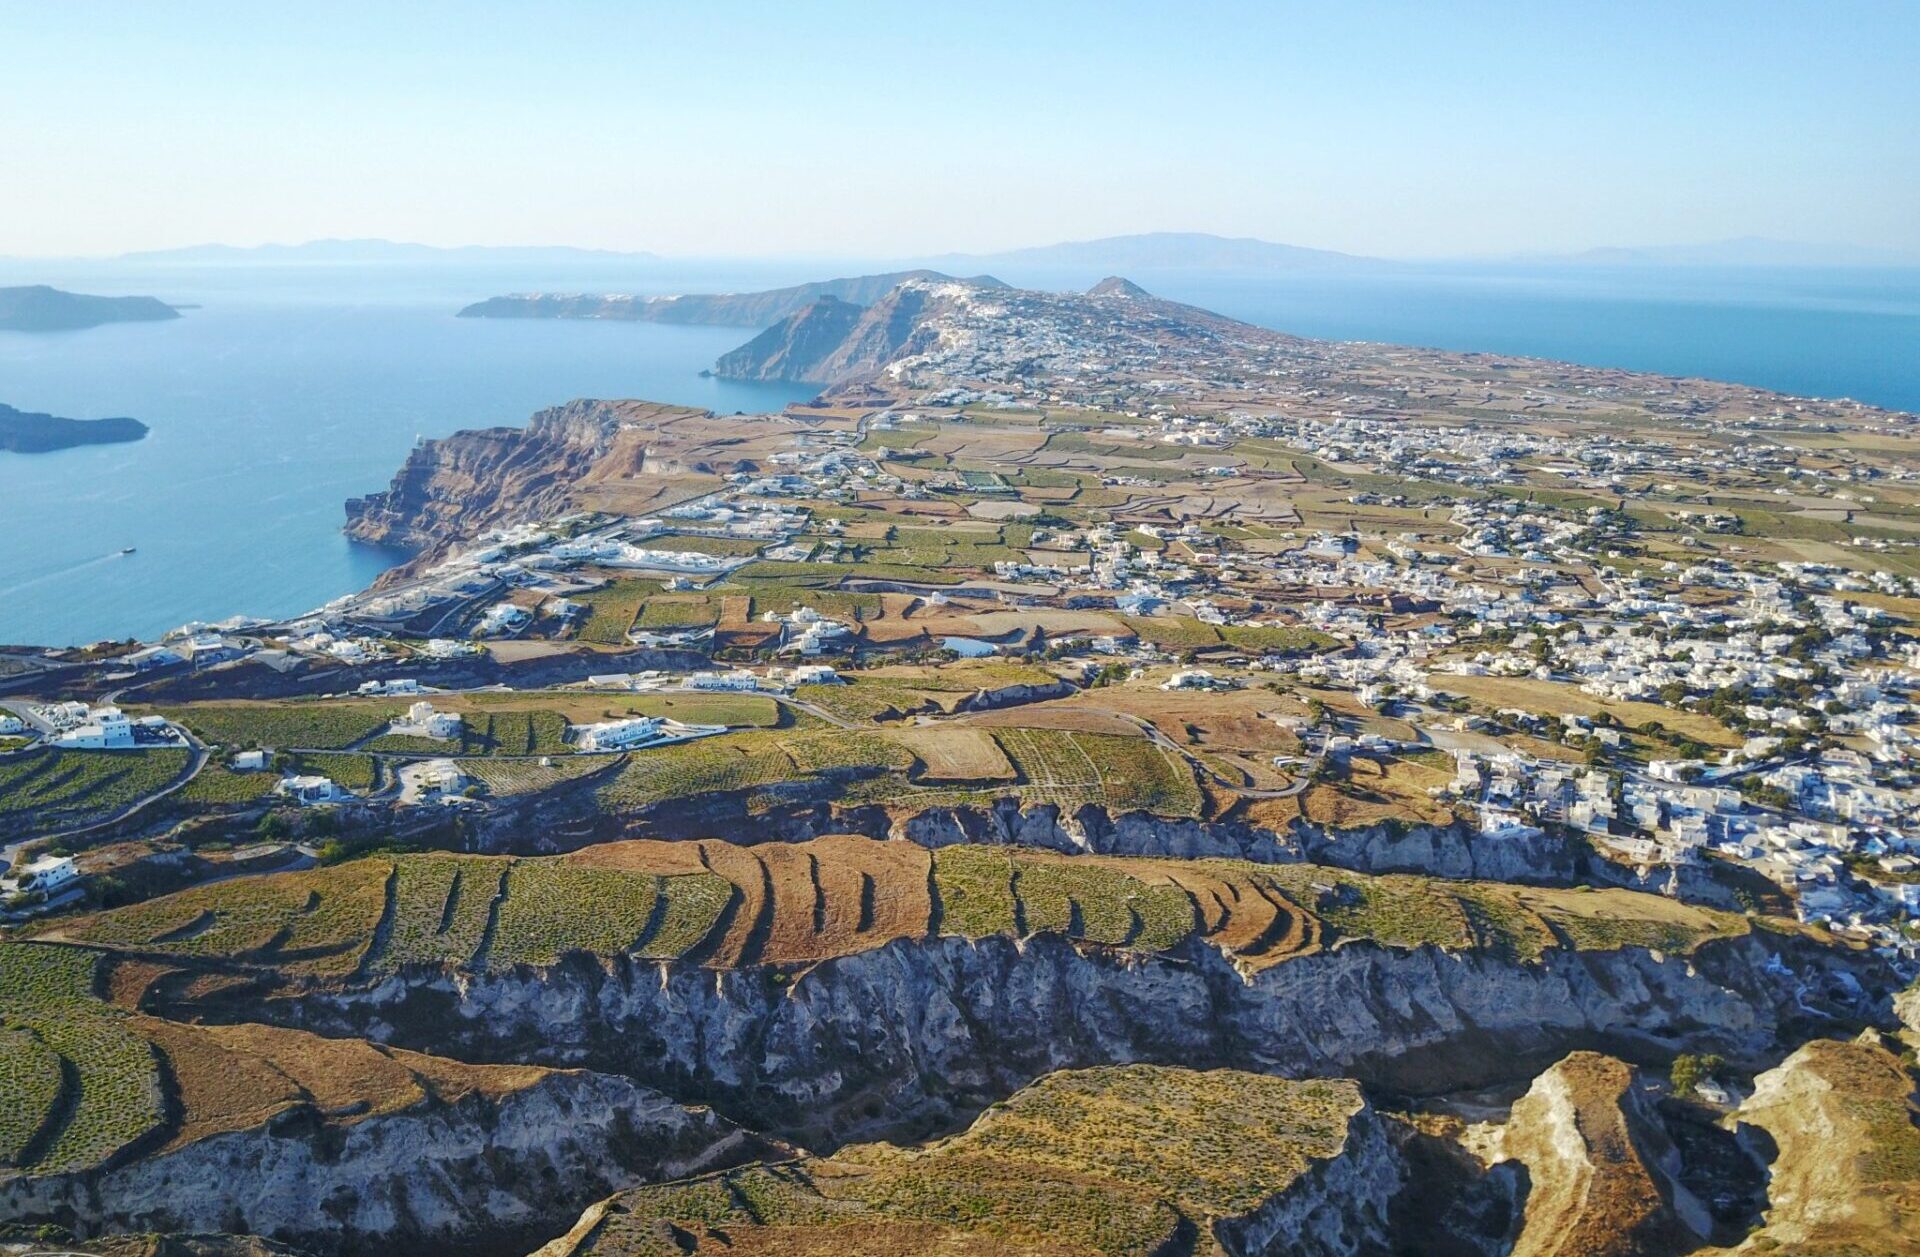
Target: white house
{"points": [[738, 679], [1190, 679], [435, 777], [423, 721], [310, 790], [619, 735], [502, 617], [106, 729], [47, 874], [250, 762]]}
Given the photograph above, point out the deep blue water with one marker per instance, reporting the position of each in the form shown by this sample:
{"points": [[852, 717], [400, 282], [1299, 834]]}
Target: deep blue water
{"points": [[267, 411], [293, 389], [1821, 333]]}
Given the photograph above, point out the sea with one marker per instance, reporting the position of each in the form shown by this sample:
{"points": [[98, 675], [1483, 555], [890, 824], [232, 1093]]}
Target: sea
{"points": [[286, 389]]}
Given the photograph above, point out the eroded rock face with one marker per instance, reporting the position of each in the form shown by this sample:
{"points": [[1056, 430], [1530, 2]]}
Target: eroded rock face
{"points": [[910, 1036], [833, 340], [435, 1176], [1339, 1208], [1600, 1167], [1845, 1174], [461, 484]]}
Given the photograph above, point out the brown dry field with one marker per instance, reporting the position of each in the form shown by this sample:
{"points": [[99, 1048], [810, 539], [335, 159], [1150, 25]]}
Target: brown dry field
{"points": [[1059, 714], [236, 1077], [956, 755], [1377, 791], [1553, 698], [1231, 719], [987, 445], [797, 903], [1092, 623], [1236, 909], [532, 648]]}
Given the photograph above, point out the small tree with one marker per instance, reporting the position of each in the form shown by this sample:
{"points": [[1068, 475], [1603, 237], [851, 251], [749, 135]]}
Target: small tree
{"points": [[1690, 1070]]}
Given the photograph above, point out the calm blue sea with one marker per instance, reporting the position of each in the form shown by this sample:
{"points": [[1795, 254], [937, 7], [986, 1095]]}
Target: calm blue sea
{"points": [[294, 388], [267, 410]]}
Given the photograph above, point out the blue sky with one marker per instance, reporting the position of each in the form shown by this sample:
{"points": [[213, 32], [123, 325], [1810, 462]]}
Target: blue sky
{"points": [[848, 129]]}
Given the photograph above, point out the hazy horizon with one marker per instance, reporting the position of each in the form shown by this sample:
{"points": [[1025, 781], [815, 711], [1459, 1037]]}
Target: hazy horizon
{"points": [[851, 130]]}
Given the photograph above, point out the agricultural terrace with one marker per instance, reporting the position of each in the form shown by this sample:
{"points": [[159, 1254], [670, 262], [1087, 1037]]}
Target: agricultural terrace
{"points": [[51, 789], [726, 906], [81, 1078], [926, 767], [1115, 1162], [291, 724]]}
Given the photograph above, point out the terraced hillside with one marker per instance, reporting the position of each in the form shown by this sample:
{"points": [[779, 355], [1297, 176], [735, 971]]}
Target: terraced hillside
{"points": [[727, 906], [1133, 1161], [117, 1120]]}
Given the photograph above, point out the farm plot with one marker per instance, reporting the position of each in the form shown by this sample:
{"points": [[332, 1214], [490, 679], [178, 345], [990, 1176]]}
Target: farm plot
{"points": [[50, 789], [317, 724], [316, 922], [216, 784], [797, 903], [611, 611], [506, 777], [516, 733], [347, 768], [669, 614], [724, 905], [836, 750], [552, 908], [965, 675], [1048, 757], [104, 1089], [956, 755], [985, 891], [1123, 772], [1172, 632], [707, 766], [441, 905], [1553, 698], [865, 701]]}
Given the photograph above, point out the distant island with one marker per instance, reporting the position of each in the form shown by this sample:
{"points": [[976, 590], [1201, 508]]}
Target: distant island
{"points": [[38, 308], [24, 432], [728, 309]]}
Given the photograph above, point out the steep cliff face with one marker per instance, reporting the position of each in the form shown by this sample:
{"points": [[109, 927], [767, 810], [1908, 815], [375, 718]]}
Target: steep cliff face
{"points": [[832, 341], [429, 1178], [473, 480], [1846, 1152], [1338, 1208], [907, 1036], [1117, 1162], [1599, 1164], [796, 346]]}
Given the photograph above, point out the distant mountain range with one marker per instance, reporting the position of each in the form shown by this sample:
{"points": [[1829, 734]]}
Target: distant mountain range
{"points": [[1144, 253], [735, 309], [38, 308], [1167, 251]]}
